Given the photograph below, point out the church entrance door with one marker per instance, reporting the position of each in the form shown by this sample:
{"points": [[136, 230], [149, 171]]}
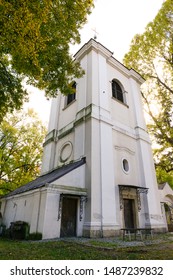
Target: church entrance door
{"points": [[69, 217], [129, 219]]}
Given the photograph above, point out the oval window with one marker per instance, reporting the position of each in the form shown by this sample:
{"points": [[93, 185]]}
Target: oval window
{"points": [[125, 165]]}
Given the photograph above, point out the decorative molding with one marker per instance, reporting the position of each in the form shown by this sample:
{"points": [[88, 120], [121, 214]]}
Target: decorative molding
{"points": [[138, 200], [65, 130], [142, 190], [93, 45], [68, 148], [139, 190], [121, 189], [120, 148], [81, 116], [60, 206], [68, 189], [51, 137], [83, 199]]}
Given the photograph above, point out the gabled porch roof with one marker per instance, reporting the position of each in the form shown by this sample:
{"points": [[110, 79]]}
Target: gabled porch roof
{"points": [[48, 178]]}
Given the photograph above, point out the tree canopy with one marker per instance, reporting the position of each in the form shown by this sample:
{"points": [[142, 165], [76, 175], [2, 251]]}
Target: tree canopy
{"points": [[34, 43], [21, 138], [151, 54]]}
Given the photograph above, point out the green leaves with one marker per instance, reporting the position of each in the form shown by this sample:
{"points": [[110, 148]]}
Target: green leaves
{"points": [[12, 94], [151, 54], [36, 36], [154, 44], [21, 138]]}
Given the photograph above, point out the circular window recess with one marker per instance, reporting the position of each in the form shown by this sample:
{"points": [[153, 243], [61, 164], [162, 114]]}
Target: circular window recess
{"points": [[125, 165], [66, 152]]}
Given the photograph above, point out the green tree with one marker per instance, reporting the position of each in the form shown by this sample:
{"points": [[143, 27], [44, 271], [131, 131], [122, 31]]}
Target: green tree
{"points": [[21, 139], [34, 43], [12, 94], [151, 54]]}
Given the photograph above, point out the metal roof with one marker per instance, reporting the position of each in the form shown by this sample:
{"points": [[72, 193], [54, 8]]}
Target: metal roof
{"points": [[48, 178]]}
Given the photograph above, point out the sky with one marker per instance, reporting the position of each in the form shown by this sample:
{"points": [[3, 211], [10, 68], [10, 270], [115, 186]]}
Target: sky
{"points": [[114, 22]]}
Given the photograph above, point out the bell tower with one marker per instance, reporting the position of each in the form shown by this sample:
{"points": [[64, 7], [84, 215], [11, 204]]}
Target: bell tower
{"points": [[104, 122]]}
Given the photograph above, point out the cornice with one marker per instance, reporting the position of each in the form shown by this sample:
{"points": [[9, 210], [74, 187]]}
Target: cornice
{"points": [[92, 45]]}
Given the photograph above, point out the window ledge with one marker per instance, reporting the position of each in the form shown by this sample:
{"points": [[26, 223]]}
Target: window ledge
{"points": [[122, 103], [66, 106]]}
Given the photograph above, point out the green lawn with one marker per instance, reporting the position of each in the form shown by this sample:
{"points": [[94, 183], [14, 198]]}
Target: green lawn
{"points": [[90, 250]]}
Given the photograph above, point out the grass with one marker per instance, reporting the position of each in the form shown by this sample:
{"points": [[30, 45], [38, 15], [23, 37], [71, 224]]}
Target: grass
{"points": [[88, 250]]}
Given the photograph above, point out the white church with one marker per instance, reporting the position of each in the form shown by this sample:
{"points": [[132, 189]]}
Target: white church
{"points": [[98, 173]]}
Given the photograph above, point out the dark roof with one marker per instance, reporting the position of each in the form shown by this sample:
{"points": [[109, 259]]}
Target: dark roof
{"points": [[48, 178], [161, 186]]}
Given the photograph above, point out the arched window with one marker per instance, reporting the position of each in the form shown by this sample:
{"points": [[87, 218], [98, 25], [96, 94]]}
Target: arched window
{"points": [[117, 91], [72, 96]]}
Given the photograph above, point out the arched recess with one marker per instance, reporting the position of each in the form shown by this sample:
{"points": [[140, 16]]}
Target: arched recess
{"points": [[168, 206]]}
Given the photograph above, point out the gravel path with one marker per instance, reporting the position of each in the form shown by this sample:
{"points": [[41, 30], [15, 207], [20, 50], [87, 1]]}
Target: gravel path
{"points": [[118, 242]]}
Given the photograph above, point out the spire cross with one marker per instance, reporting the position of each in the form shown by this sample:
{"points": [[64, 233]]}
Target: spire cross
{"points": [[95, 33]]}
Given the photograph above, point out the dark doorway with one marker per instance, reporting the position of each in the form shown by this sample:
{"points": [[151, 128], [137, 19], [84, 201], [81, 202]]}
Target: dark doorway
{"points": [[68, 218], [129, 213]]}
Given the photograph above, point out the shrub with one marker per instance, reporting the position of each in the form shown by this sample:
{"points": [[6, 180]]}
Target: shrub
{"points": [[19, 230], [35, 236]]}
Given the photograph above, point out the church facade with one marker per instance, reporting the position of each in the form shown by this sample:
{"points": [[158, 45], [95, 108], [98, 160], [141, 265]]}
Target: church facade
{"points": [[98, 172]]}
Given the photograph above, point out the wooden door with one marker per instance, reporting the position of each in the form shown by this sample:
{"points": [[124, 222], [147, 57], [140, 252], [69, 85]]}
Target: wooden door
{"points": [[69, 216], [129, 213]]}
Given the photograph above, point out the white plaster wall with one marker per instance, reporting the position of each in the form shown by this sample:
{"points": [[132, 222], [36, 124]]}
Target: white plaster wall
{"points": [[125, 147], [92, 76], [107, 179], [51, 225], [67, 114], [106, 156], [79, 141], [137, 104], [94, 165], [18, 209], [48, 160], [54, 113], [147, 174], [34, 221], [75, 178], [59, 145], [166, 194], [25, 207], [82, 87]]}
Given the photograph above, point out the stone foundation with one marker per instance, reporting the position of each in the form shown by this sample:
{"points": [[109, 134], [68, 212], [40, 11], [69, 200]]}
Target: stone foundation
{"points": [[160, 230], [90, 233], [100, 233]]}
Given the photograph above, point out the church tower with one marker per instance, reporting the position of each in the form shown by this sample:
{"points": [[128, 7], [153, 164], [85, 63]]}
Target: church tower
{"points": [[103, 123]]}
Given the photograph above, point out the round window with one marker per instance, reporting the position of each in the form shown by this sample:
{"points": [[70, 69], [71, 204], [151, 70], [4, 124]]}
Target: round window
{"points": [[125, 165]]}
